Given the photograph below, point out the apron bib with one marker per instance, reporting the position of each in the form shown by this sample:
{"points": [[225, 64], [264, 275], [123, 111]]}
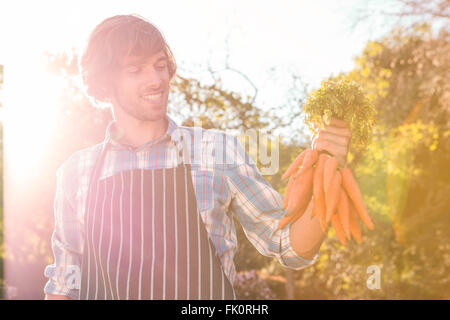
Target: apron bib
{"points": [[145, 239]]}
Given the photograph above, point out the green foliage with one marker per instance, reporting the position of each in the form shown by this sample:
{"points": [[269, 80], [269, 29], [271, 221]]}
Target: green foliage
{"points": [[345, 100], [406, 76], [213, 106], [404, 173]]}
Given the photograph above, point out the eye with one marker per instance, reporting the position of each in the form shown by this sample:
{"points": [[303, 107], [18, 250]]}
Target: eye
{"points": [[161, 66], [132, 69]]}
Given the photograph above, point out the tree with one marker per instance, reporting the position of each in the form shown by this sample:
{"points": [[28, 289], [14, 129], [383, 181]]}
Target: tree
{"points": [[402, 174]]}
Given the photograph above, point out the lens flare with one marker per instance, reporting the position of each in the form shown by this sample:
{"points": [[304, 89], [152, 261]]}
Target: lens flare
{"points": [[31, 104]]}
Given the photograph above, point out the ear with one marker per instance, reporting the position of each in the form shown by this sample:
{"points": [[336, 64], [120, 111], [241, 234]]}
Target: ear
{"points": [[172, 78]]}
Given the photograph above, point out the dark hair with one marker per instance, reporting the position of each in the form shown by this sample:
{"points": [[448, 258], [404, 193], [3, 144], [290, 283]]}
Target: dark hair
{"points": [[110, 42]]}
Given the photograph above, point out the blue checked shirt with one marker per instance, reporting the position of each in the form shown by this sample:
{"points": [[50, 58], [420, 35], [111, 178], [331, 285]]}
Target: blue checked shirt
{"points": [[226, 181]]}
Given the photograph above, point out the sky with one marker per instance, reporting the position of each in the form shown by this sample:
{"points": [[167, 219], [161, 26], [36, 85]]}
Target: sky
{"points": [[266, 40]]}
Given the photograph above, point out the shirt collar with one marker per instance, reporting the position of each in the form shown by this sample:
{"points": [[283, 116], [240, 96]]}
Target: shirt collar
{"points": [[114, 135]]}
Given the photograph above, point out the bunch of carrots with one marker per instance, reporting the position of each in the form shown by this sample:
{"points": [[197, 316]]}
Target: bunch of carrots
{"points": [[335, 193]]}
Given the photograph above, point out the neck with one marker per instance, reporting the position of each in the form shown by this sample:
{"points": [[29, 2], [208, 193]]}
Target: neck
{"points": [[136, 132]]}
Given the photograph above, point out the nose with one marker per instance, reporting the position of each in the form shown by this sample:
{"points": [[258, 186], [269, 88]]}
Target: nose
{"points": [[152, 78]]}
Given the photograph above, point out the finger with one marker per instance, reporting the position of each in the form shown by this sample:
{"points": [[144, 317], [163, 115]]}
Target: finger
{"points": [[334, 139], [335, 122], [336, 150], [339, 131]]}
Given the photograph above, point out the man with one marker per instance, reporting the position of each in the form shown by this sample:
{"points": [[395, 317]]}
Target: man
{"points": [[147, 214]]}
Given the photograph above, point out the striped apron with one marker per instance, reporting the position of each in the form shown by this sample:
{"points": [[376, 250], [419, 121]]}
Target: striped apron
{"points": [[145, 239]]}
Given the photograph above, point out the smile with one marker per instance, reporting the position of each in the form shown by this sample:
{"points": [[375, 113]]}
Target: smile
{"points": [[152, 97]]}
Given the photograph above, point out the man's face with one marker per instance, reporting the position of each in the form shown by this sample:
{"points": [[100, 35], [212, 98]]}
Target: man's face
{"points": [[142, 87]]}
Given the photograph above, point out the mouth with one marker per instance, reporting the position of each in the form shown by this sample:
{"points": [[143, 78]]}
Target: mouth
{"points": [[154, 98]]}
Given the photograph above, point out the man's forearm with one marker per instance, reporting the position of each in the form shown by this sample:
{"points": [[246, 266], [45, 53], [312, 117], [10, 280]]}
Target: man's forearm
{"points": [[306, 235]]}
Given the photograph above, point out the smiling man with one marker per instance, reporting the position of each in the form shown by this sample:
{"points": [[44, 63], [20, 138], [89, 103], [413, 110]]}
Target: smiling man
{"points": [[138, 216]]}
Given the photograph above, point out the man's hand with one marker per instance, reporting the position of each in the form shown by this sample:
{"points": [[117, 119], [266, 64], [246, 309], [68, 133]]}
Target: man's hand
{"points": [[335, 139]]}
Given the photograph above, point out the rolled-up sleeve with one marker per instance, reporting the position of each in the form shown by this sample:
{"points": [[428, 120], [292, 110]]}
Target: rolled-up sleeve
{"points": [[64, 274], [258, 208]]}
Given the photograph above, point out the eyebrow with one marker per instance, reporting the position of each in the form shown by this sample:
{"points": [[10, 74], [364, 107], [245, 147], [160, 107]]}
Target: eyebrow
{"points": [[162, 59], [141, 61]]}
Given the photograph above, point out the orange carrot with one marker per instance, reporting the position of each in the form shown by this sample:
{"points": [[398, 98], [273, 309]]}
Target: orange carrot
{"points": [[332, 196], [354, 224], [330, 169], [355, 195], [336, 223], [323, 218], [344, 213], [288, 192], [308, 161], [301, 192], [285, 220], [298, 214], [319, 207], [295, 164], [323, 223]]}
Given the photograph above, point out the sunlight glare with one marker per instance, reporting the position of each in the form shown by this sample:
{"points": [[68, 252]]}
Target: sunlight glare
{"points": [[31, 104]]}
